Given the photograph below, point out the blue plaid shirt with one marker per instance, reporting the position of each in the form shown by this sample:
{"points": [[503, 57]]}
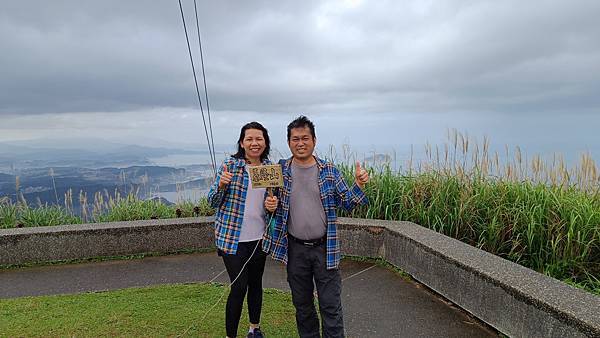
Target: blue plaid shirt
{"points": [[334, 193], [229, 204]]}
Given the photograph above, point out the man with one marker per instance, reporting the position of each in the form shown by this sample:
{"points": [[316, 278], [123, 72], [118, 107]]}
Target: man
{"points": [[305, 235]]}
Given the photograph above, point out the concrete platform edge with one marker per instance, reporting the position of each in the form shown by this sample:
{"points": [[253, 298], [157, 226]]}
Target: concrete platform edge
{"points": [[516, 301]]}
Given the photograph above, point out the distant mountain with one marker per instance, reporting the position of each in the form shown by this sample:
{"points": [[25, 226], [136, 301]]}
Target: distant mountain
{"points": [[52, 186], [193, 184], [79, 153], [76, 150]]}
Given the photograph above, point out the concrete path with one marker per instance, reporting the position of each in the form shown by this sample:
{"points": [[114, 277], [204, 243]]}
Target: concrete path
{"points": [[377, 302]]}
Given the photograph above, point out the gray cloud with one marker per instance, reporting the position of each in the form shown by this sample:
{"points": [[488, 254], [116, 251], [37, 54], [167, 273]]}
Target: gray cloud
{"points": [[289, 56]]}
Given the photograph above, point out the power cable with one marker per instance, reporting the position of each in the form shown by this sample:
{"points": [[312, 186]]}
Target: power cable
{"points": [[210, 147], [205, 88]]}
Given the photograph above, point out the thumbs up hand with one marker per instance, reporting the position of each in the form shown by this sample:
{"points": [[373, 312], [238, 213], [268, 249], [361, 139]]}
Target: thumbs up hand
{"points": [[361, 175], [225, 178]]}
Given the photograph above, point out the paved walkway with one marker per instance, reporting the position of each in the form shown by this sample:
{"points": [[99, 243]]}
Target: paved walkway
{"points": [[377, 302]]}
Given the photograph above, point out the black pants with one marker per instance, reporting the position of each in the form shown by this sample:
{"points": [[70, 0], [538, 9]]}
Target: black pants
{"points": [[250, 280], [306, 264]]}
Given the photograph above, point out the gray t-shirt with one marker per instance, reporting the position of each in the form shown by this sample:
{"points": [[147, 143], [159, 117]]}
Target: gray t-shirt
{"points": [[307, 218]]}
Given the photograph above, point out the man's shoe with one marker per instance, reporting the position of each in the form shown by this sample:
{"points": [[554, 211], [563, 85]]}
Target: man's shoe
{"points": [[257, 333]]}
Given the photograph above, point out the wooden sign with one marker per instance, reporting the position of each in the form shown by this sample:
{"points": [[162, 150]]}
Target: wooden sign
{"points": [[266, 176]]}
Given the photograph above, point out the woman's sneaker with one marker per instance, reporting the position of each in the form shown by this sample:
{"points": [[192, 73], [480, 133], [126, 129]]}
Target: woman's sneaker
{"points": [[257, 333]]}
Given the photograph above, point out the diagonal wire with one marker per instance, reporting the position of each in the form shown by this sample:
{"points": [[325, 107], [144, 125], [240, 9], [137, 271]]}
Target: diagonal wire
{"points": [[210, 148], [205, 88], [358, 273]]}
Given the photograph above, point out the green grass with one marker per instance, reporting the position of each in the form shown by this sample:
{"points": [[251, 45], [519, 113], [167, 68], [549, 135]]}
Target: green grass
{"points": [[129, 208], [552, 229], [12, 215], [162, 311]]}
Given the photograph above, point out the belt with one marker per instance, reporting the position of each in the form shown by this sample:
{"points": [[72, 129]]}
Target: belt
{"points": [[308, 242]]}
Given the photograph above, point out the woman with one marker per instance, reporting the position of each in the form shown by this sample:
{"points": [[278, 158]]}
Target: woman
{"points": [[240, 226]]}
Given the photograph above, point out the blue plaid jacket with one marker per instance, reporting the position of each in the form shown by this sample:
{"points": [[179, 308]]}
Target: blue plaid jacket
{"points": [[334, 193], [229, 205]]}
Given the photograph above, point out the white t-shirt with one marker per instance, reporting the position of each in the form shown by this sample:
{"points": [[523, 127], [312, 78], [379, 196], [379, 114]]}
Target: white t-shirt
{"points": [[253, 225]]}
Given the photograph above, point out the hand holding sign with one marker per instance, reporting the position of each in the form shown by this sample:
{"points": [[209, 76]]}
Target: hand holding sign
{"points": [[267, 176], [361, 175], [225, 178], [271, 203]]}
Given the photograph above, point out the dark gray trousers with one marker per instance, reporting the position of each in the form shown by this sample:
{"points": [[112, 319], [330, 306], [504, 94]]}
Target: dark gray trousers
{"points": [[306, 264]]}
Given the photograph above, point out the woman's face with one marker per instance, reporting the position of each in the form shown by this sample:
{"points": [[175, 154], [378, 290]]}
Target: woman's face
{"points": [[253, 143]]}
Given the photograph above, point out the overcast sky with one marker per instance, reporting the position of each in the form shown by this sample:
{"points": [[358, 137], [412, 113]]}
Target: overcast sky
{"points": [[368, 73]]}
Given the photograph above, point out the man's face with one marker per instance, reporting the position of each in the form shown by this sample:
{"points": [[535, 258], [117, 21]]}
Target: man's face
{"points": [[301, 143]]}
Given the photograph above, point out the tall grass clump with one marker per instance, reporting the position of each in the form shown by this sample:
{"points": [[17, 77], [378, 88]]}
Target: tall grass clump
{"points": [[543, 216], [21, 215], [131, 208], [111, 208], [104, 207], [8, 214]]}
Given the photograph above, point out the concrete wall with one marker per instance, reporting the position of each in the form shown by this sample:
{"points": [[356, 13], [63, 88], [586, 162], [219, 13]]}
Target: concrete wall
{"points": [[517, 301], [42, 244]]}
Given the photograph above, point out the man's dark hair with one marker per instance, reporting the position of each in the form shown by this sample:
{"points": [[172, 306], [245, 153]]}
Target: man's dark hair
{"points": [[241, 153], [301, 122]]}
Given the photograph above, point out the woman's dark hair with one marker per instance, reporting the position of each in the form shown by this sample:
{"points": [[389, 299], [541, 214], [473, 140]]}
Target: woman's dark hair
{"points": [[301, 122], [253, 125]]}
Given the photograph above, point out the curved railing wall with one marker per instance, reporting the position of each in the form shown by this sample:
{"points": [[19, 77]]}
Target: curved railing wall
{"points": [[515, 300]]}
